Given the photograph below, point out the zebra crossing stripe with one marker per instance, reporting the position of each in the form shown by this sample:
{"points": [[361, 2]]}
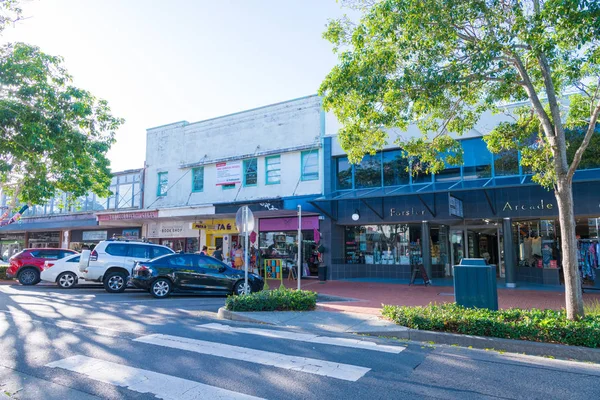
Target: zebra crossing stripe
{"points": [[307, 337], [294, 363], [143, 381]]}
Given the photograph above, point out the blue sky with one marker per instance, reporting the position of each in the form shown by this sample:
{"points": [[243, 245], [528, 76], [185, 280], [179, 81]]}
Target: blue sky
{"points": [[158, 62]]}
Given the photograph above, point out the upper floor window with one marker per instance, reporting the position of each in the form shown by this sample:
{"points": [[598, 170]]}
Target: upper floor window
{"points": [[477, 159], [197, 179], [344, 173], [395, 168], [310, 165], [273, 169], [163, 184], [368, 173], [250, 172]]}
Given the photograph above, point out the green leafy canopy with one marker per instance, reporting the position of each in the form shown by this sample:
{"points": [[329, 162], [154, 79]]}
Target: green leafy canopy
{"points": [[54, 136], [441, 64]]}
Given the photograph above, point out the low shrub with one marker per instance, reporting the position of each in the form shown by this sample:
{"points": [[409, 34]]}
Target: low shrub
{"points": [[281, 299], [3, 269], [592, 307], [548, 326]]}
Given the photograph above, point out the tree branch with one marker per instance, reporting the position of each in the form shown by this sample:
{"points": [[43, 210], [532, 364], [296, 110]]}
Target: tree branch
{"points": [[535, 100], [586, 141]]}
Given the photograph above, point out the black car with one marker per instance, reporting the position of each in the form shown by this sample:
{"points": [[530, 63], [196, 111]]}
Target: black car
{"points": [[191, 273]]}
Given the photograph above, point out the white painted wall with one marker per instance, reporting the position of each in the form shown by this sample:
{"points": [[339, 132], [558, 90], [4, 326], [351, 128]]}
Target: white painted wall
{"points": [[486, 123], [278, 128]]}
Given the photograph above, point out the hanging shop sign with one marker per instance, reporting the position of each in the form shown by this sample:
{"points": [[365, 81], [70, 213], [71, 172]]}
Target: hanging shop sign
{"points": [[94, 236], [128, 216], [455, 206], [171, 230], [216, 226], [229, 172]]}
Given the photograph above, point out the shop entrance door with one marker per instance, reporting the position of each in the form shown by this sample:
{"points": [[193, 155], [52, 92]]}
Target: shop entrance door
{"points": [[457, 248], [479, 241]]}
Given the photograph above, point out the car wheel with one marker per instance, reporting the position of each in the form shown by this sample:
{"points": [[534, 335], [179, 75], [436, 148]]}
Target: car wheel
{"points": [[241, 288], [66, 280], [161, 288], [115, 282], [29, 277]]}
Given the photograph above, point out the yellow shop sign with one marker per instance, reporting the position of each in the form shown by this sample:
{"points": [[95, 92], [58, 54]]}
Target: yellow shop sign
{"points": [[216, 226]]}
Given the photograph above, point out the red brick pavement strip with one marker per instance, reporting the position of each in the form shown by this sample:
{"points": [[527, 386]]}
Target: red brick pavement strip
{"points": [[371, 296]]}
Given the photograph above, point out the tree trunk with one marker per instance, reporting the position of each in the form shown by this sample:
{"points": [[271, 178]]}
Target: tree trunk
{"points": [[570, 265]]}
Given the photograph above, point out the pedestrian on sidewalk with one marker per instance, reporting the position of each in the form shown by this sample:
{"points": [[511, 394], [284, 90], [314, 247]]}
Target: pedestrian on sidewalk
{"points": [[204, 251], [239, 257], [218, 254]]}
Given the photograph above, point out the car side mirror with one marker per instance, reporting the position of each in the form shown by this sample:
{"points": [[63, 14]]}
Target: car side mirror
{"points": [[222, 269]]}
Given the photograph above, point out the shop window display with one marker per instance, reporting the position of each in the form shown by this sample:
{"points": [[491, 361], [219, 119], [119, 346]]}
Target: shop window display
{"points": [[537, 243], [381, 244], [284, 246]]}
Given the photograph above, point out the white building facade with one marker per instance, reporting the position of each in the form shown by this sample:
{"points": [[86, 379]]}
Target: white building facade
{"points": [[197, 175]]}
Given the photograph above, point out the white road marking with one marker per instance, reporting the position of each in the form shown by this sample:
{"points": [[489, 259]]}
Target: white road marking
{"points": [[309, 365], [306, 337], [143, 381]]}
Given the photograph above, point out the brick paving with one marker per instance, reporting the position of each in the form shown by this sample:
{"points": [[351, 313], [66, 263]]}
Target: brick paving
{"points": [[370, 296]]}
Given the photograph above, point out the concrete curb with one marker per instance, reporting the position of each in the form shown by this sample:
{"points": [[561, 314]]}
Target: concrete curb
{"points": [[508, 345], [233, 316]]}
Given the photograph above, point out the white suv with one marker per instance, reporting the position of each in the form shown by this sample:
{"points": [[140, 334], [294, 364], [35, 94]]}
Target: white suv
{"points": [[112, 261]]}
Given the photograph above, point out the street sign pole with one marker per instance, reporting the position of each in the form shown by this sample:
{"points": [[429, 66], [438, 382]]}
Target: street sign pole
{"points": [[299, 245], [244, 221], [247, 234]]}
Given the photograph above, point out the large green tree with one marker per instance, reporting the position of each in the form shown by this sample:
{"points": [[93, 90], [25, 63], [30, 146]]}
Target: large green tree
{"points": [[53, 135], [441, 64]]}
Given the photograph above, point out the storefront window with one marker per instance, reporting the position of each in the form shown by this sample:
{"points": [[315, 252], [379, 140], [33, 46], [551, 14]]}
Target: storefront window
{"points": [[344, 174], [537, 244], [383, 244], [284, 246], [439, 246], [368, 173]]}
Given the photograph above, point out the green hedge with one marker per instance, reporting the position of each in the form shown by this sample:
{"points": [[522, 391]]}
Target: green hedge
{"points": [[273, 300], [548, 326], [3, 269]]}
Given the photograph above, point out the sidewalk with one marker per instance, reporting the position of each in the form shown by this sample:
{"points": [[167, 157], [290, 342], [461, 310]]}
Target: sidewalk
{"points": [[369, 296]]}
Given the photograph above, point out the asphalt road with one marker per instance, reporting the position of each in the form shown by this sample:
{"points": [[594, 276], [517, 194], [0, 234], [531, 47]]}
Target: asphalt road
{"points": [[87, 344]]}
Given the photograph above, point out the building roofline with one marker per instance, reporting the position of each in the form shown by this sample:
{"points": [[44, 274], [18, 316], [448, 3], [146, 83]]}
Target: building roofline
{"points": [[186, 123]]}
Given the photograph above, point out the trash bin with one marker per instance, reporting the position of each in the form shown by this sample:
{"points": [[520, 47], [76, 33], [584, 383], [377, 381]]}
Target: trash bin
{"points": [[475, 284], [322, 272]]}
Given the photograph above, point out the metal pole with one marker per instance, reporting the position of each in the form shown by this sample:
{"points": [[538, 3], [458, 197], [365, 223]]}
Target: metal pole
{"points": [[246, 249], [299, 244]]}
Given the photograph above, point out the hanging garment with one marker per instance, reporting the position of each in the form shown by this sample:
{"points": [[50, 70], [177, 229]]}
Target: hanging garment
{"points": [[536, 246]]}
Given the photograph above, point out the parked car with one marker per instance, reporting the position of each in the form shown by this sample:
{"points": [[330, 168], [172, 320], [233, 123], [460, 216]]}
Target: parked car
{"points": [[112, 261], [26, 266], [195, 273], [64, 272]]}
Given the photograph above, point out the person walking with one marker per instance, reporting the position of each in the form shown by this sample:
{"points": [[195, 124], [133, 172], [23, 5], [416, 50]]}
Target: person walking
{"points": [[204, 251], [218, 254]]}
